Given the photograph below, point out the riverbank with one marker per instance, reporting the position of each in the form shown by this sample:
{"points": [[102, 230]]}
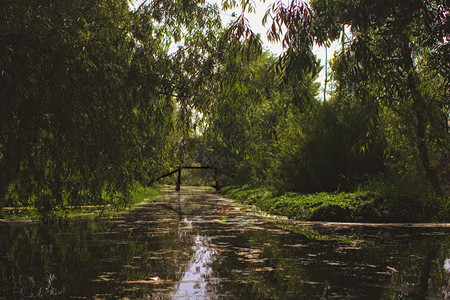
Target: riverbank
{"points": [[141, 195], [361, 206]]}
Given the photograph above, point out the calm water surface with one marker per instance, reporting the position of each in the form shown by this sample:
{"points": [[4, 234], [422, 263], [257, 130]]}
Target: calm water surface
{"points": [[196, 245]]}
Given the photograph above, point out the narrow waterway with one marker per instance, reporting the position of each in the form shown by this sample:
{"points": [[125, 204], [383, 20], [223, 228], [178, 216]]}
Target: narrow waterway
{"points": [[195, 244]]}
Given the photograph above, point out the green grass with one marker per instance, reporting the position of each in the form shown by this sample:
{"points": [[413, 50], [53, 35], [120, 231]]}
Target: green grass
{"points": [[360, 206], [140, 196]]}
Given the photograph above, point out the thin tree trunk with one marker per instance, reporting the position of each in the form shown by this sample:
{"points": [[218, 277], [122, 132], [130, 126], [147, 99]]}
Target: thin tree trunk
{"points": [[178, 187], [419, 107], [5, 177], [2, 196], [326, 76]]}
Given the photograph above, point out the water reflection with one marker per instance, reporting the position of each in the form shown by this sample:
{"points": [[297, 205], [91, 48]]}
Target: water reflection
{"points": [[447, 265], [196, 245], [197, 280]]}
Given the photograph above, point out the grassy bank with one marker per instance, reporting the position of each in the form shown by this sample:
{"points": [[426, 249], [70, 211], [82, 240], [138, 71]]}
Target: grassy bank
{"points": [[361, 206], [140, 196]]}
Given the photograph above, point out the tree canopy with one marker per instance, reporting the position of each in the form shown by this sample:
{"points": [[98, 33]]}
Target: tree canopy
{"points": [[99, 96], [89, 91]]}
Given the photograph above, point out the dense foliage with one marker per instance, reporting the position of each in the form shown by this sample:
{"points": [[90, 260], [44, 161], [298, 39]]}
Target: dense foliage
{"points": [[388, 114], [98, 97], [89, 92], [358, 206]]}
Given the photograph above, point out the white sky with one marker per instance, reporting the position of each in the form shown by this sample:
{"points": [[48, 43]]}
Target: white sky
{"points": [[255, 20]]}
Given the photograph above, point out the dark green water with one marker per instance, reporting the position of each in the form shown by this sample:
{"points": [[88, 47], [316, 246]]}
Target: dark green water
{"points": [[193, 245]]}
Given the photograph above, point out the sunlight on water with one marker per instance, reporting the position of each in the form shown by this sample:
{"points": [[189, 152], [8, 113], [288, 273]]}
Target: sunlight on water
{"points": [[447, 265], [197, 278]]}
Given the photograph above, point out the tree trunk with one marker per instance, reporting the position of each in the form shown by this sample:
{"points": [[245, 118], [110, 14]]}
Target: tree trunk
{"points": [[178, 187], [3, 189], [326, 76], [419, 107]]}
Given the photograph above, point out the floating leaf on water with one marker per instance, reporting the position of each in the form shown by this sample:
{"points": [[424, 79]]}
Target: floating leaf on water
{"points": [[335, 263], [225, 207], [349, 248], [393, 270], [383, 273], [105, 277], [130, 267], [265, 269], [295, 245], [148, 280], [156, 278]]}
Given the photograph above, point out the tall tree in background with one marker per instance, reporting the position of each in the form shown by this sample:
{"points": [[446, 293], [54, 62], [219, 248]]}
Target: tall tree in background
{"points": [[393, 47], [389, 58], [236, 93]]}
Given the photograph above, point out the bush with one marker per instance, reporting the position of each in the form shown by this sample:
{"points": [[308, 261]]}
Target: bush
{"points": [[360, 206]]}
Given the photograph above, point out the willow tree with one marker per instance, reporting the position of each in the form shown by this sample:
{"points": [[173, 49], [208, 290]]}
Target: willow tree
{"points": [[66, 112], [89, 94], [238, 127]]}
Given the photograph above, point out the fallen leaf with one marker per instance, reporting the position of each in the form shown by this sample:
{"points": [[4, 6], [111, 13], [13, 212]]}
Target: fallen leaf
{"points": [[392, 269], [156, 278], [149, 280]]}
